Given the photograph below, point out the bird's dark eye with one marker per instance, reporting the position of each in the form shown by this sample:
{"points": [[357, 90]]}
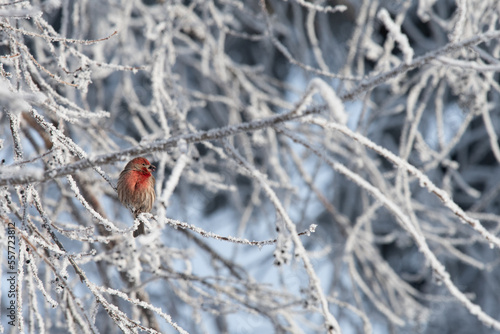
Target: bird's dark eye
{"points": [[144, 165]]}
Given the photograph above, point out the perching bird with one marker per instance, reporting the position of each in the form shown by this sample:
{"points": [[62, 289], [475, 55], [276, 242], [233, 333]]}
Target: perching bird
{"points": [[136, 188]]}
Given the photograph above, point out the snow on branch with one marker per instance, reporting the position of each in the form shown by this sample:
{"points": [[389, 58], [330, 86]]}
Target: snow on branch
{"points": [[395, 32], [55, 38], [143, 304], [335, 105], [476, 66], [326, 9], [62, 281], [185, 226]]}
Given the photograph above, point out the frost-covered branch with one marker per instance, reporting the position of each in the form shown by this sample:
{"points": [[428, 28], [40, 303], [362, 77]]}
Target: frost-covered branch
{"points": [[159, 145]]}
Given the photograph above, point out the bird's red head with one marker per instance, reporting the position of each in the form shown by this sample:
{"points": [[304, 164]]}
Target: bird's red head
{"points": [[141, 164]]}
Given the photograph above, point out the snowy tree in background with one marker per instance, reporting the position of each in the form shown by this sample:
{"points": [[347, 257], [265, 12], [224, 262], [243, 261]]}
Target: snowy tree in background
{"points": [[322, 166]]}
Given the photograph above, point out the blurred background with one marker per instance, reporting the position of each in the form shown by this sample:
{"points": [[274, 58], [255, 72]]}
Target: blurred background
{"points": [[301, 98]]}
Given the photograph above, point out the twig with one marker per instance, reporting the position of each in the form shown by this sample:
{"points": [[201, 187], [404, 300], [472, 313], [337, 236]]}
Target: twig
{"points": [[178, 224]]}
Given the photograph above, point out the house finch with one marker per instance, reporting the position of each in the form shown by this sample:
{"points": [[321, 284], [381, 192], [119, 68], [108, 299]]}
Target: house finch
{"points": [[136, 188]]}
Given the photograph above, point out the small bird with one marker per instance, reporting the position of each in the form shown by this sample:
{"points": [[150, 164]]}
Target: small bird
{"points": [[136, 188]]}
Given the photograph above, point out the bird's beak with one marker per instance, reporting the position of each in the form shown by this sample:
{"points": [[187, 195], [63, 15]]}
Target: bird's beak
{"points": [[152, 168]]}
